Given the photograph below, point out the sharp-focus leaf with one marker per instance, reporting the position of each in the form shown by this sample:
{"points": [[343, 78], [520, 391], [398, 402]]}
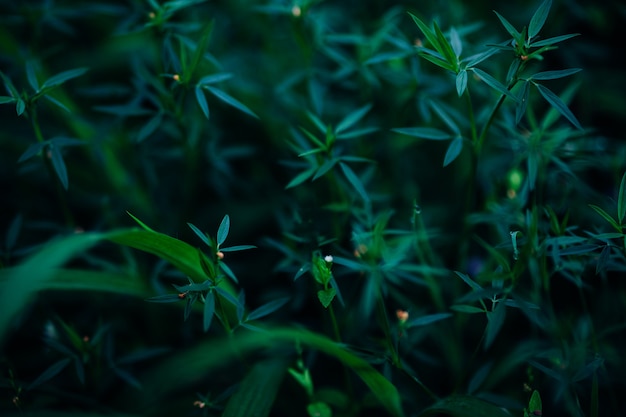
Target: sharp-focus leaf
{"points": [[237, 248], [267, 309], [230, 100], [354, 180], [538, 19], [552, 75], [256, 393], [509, 27], [215, 353], [214, 78], [454, 150], [200, 50], [229, 272], [201, 99], [222, 231], [464, 406], [203, 237], [140, 223], [423, 133], [446, 48], [558, 104], [353, 118], [63, 77], [430, 35], [621, 200], [493, 83]]}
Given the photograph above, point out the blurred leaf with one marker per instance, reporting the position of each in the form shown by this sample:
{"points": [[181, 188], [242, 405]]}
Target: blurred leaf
{"points": [[558, 104], [57, 103], [214, 78], [20, 106], [230, 100], [237, 248], [464, 406], [425, 320], [214, 353], [495, 320], [200, 49], [32, 150], [463, 308], [354, 180], [522, 96], [538, 19], [326, 296], [63, 77], [31, 76], [200, 234], [430, 35], [607, 217], [423, 132], [7, 99], [461, 82], [455, 41], [353, 118], [59, 165], [473, 284], [267, 309], [621, 200], [50, 373], [257, 392], [201, 99], [552, 41], [454, 150], [535, 403], [209, 310]]}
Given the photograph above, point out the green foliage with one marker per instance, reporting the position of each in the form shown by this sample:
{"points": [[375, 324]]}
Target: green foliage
{"points": [[435, 195]]}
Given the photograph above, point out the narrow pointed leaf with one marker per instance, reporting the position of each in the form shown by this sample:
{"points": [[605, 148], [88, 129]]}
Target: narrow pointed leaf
{"points": [[200, 49], [57, 103], [463, 406], [267, 309], [201, 99], [552, 75], [430, 35], [300, 178], [522, 95], [494, 323], [229, 272], [140, 223], [455, 41], [214, 78], [59, 165], [461, 82], [509, 27], [209, 310], [222, 231], [63, 77], [538, 19], [425, 320], [621, 200], [446, 48], [552, 41], [351, 119], [7, 99], [493, 83], [32, 150], [200, 234], [31, 76], [454, 150], [50, 373], [230, 100], [354, 180], [606, 217], [559, 105], [150, 127], [473, 284], [20, 107], [237, 248]]}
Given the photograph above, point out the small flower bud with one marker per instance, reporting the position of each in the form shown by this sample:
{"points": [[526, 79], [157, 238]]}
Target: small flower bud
{"points": [[402, 315], [296, 11], [182, 295], [418, 42], [199, 404], [176, 77], [220, 255], [151, 15], [328, 259]]}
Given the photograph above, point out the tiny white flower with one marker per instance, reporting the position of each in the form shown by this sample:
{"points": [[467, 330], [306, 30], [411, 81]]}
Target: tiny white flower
{"points": [[328, 258]]}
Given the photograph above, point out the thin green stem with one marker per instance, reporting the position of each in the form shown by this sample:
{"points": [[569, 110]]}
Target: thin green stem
{"points": [[382, 317], [470, 110]]}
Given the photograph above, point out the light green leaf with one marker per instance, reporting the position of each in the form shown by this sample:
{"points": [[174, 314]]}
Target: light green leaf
{"points": [[354, 180], [538, 19], [535, 402], [201, 99], [430, 36], [326, 296], [461, 82], [7, 99], [455, 41], [222, 231], [552, 41], [351, 119], [552, 75]]}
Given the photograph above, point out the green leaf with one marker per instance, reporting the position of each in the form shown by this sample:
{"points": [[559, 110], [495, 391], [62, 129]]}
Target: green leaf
{"points": [[31, 76], [354, 180], [621, 200], [353, 118], [466, 279], [140, 223], [230, 100], [200, 50], [267, 309], [495, 320], [50, 373], [319, 409], [7, 99], [57, 103], [423, 133], [455, 41], [461, 82], [301, 177], [509, 27], [326, 296], [552, 75], [464, 406], [237, 248], [201, 99], [535, 403], [20, 106], [208, 311], [256, 393], [32, 150], [63, 77], [211, 354], [203, 237], [522, 95], [454, 150], [425, 320], [493, 83], [430, 35], [538, 19], [607, 217], [214, 78], [222, 231], [446, 49], [32, 274], [558, 104], [59, 165], [164, 298], [603, 259], [228, 272], [464, 308], [552, 41]]}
